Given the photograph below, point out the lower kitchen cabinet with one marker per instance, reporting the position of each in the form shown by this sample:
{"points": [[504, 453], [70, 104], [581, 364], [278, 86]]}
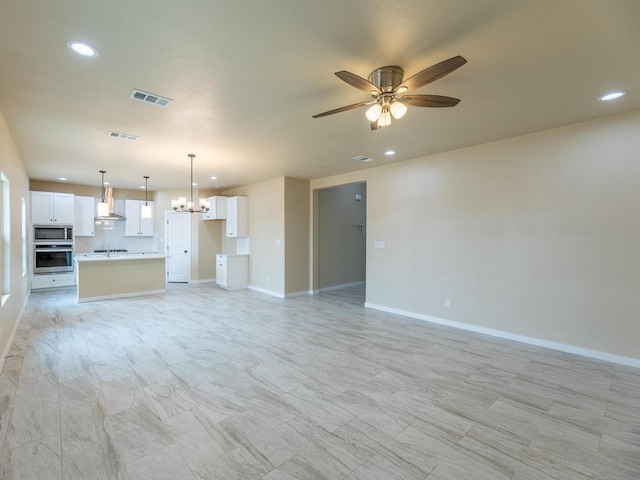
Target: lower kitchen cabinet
{"points": [[51, 280], [232, 271]]}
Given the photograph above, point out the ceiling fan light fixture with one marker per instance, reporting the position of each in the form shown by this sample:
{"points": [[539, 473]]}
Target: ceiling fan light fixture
{"points": [[401, 90], [398, 109], [373, 113]]}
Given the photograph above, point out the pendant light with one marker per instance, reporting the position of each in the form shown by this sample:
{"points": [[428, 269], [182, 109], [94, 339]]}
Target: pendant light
{"points": [[145, 210], [182, 205], [103, 206]]}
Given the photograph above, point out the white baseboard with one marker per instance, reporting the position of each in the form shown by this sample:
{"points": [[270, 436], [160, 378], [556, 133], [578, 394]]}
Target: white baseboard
{"points": [[584, 352], [205, 280], [121, 295], [337, 287], [12, 336], [264, 290], [297, 294]]}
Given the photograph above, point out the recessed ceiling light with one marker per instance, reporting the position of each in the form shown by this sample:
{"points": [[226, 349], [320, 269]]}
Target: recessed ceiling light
{"points": [[390, 152], [106, 183], [63, 179], [214, 178], [612, 96], [82, 48], [194, 184]]}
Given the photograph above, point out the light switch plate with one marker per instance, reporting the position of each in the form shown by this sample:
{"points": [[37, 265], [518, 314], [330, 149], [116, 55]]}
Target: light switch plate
{"points": [[379, 244]]}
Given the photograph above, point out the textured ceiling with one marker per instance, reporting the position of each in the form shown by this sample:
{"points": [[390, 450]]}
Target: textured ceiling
{"points": [[245, 77]]}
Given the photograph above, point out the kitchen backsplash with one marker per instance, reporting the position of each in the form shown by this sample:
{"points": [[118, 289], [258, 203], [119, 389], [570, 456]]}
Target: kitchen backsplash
{"points": [[112, 234]]}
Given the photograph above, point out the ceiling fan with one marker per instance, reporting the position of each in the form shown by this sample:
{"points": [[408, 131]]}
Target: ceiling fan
{"points": [[386, 86]]}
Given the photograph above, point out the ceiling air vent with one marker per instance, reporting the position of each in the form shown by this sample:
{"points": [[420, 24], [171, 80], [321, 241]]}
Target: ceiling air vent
{"points": [[150, 98], [363, 158], [123, 136]]}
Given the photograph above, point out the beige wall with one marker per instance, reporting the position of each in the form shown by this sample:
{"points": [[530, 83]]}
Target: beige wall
{"points": [[536, 235], [266, 227], [296, 235], [11, 165], [341, 243], [88, 191]]}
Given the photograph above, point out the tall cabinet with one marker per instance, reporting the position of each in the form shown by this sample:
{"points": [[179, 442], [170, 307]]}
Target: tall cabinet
{"points": [[84, 212]]}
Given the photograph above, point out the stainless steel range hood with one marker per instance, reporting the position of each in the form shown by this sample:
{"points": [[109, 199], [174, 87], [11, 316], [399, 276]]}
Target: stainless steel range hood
{"points": [[108, 198]]}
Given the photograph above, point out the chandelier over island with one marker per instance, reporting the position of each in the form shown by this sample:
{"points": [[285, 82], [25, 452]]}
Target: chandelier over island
{"points": [[181, 204]]}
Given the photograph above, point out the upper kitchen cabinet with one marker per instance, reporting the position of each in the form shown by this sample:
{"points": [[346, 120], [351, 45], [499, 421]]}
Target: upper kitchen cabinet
{"points": [[52, 208], [237, 216], [135, 225], [85, 212], [217, 209]]}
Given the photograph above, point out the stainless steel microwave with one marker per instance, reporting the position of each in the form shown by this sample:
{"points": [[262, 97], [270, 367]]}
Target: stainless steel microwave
{"points": [[52, 233]]}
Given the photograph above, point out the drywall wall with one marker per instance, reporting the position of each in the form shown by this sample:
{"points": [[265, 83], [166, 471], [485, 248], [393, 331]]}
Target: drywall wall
{"points": [[266, 228], [18, 289], [535, 235], [296, 235]]}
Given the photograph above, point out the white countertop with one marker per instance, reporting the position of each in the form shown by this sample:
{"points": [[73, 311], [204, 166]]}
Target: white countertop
{"points": [[102, 257]]}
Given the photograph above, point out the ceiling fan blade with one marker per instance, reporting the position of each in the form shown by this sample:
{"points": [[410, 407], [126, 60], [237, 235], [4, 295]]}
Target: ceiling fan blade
{"points": [[342, 109], [429, 101], [432, 73], [358, 82]]}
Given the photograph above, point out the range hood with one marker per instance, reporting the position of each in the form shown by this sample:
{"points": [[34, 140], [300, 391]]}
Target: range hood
{"points": [[108, 198]]}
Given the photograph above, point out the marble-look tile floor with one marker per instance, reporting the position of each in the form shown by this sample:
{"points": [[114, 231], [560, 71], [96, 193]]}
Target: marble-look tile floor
{"points": [[202, 383]]}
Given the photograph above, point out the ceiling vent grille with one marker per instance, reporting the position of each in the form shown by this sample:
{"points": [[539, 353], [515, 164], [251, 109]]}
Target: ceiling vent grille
{"points": [[150, 98], [363, 158], [123, 136]]}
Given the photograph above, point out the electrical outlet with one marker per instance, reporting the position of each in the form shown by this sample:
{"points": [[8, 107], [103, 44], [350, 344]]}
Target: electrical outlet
{"points": [[447, 303]]}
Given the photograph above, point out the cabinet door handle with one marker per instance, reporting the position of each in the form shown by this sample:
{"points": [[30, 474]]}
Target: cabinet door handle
{"points": [[185, 251]]}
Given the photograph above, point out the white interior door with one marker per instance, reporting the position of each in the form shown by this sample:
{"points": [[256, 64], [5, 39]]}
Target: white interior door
{"points": [[178, 235]]}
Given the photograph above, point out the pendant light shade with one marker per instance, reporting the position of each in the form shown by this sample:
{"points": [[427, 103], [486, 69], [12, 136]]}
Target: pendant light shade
{"points": [[103, 206], [145, 210]]}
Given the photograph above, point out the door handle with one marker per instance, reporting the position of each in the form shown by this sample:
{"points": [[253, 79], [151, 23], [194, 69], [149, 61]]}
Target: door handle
{"points": [[185, 251]]}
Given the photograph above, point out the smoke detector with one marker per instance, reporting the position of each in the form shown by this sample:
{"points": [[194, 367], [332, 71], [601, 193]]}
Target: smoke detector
{"points": [[150, 98]]}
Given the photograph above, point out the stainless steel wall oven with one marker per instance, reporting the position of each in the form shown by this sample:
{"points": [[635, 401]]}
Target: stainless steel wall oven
{"points": [[52, 257]]}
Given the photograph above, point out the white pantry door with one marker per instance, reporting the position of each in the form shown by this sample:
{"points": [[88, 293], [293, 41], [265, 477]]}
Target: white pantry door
{"points": [[178, 235]]}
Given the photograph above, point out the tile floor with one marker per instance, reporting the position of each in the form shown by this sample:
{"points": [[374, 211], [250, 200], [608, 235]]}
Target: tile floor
{"points": [[202, 383]]}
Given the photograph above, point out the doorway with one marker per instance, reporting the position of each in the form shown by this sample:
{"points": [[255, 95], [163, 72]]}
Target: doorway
{"points": [[178, 235], [340, 237]]}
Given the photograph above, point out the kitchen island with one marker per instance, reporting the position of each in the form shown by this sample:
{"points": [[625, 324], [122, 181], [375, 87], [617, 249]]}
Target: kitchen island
{"points": [[105, 276]]}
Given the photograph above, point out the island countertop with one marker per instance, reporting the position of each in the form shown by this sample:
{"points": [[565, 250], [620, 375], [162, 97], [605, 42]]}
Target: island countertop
{"points": [[101, 257]]}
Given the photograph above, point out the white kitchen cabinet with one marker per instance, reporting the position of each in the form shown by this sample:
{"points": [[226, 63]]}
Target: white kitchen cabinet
{"points": [[53, 280], [237, 216], [232, 271], [135, 225], [84, 213], [52, 208], [217, 210]]}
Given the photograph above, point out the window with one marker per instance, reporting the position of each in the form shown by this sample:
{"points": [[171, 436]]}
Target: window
{"points": [[5, 225]]}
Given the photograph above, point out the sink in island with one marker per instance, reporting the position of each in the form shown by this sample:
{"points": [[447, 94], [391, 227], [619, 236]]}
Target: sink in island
{"points": [[105, 276]]}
